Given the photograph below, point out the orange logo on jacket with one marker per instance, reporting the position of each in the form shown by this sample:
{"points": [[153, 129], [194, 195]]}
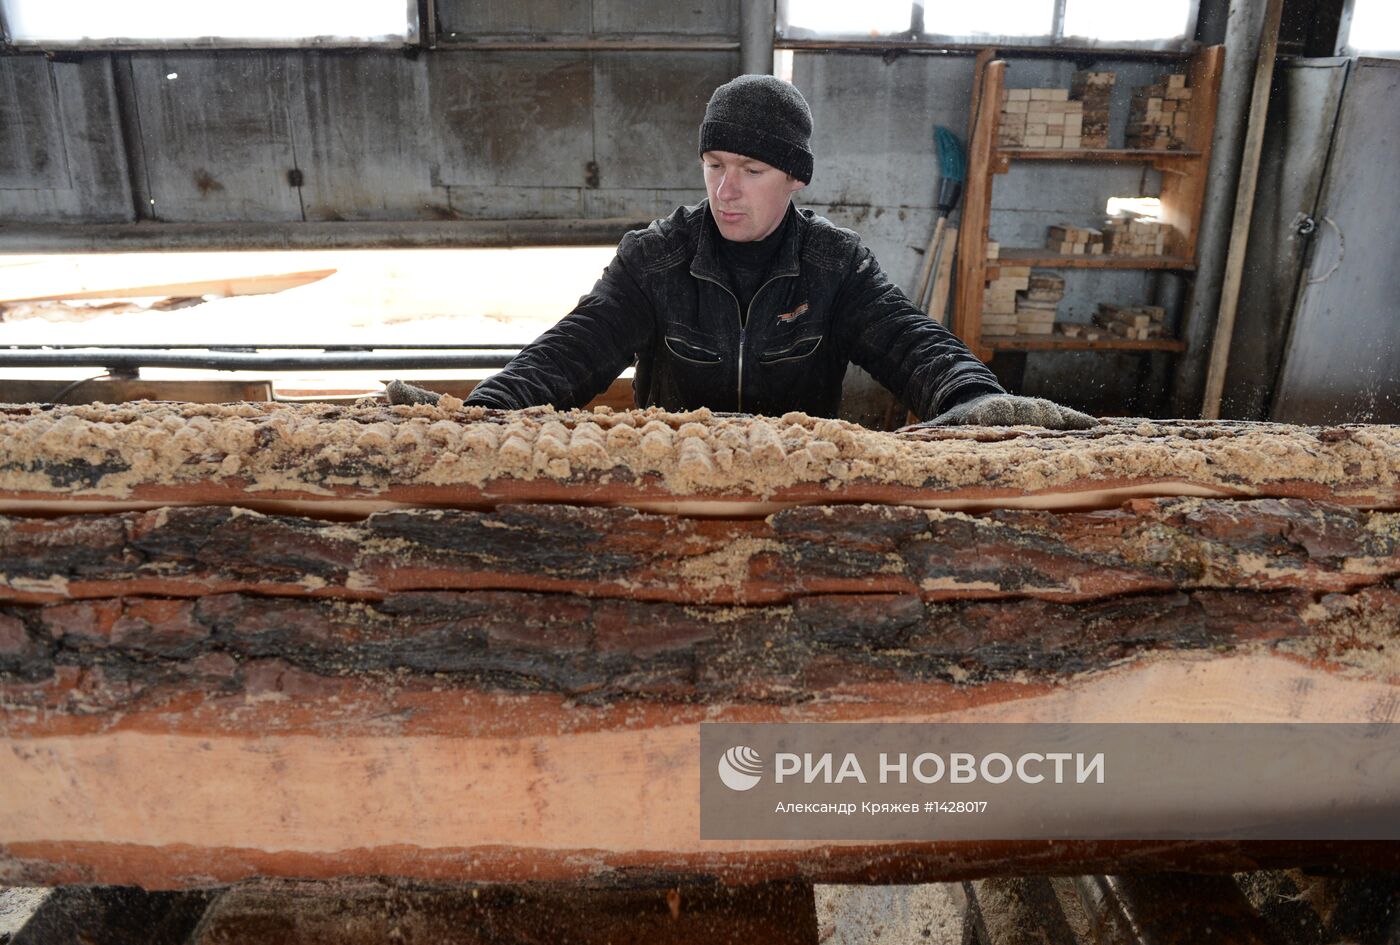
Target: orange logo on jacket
{"points": [[795, 313]]}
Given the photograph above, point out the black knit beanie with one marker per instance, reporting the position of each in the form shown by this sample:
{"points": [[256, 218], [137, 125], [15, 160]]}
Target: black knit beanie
{"points": [[762, 117]]}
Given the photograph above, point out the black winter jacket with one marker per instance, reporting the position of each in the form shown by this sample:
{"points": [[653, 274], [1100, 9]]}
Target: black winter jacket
{"points": [[666, 302]]}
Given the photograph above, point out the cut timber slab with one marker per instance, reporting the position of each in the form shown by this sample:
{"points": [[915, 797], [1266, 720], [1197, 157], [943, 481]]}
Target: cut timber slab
{"points": [[1145, 546], [354, 460], [530, 787], [456, 645]]}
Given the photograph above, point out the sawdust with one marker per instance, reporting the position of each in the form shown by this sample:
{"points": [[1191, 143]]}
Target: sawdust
{"points": [[729, 567], [1357, 633], [109, 450]]}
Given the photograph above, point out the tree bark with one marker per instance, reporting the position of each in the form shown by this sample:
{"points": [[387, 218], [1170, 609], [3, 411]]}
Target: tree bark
{"points": [[501, 678]]}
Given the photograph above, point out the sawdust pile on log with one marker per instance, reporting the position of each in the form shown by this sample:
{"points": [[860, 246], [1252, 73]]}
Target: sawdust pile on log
{"points": [[311, 448]]}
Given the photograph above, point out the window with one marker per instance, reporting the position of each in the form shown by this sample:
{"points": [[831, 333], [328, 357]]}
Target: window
{"points": [[1013, 18], [1369, 28], [1113, 21], [874, 18], [1163, 24], [164, 23]]}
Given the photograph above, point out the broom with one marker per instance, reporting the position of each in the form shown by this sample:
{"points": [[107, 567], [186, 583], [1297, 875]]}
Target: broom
{"points": [[952, 169]]}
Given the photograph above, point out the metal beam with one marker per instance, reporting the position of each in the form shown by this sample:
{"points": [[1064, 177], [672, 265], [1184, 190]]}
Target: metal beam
{"points": [[756, 35], [1244, 211], [971, 47], [137, 237], [572, 44], [1243, 34]]}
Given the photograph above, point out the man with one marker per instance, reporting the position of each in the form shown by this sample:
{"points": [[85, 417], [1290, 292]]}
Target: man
{"points": [[744, 303]]}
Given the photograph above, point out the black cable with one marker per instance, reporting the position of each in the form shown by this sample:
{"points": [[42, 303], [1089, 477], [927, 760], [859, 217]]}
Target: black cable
{"points": [[130, 360], [58, 398]]}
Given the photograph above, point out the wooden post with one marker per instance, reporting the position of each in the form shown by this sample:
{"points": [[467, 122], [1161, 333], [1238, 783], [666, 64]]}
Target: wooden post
{"points": [[977, 208], [1183, 191]]}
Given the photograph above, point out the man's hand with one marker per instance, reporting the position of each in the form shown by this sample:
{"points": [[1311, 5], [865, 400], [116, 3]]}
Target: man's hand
{"points": [[400, 393], [1007, 410]]}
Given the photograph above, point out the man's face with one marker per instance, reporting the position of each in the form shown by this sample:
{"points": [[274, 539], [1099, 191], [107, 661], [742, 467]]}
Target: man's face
{"points": [[747, 197]]}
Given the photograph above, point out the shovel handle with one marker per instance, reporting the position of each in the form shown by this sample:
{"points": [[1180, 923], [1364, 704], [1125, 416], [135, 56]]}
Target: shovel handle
{"points": [[927, 274]]}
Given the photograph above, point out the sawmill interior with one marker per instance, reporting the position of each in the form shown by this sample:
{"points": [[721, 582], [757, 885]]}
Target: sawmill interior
{"points": [[373, 569]]}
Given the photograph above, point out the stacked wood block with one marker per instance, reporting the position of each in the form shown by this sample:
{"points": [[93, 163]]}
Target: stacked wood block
{"points": [[1039, 118], [1159, 114], [1078, 330], [452, 644], [1074, 240], [999, 299], [1127, 235], [1138, 322], [1037, 304], [1093, 90]]}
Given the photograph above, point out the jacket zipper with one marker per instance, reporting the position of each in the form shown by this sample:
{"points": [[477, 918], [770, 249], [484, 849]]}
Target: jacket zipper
{"points": [[738, 313], [743, 326], [743, 332]]}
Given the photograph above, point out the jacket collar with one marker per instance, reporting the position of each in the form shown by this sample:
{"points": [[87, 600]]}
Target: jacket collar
{"points": [[706, 263]]}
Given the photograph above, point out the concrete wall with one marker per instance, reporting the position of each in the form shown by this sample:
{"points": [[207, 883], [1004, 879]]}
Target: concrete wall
{"points": [[62, 155], [373, 135]]}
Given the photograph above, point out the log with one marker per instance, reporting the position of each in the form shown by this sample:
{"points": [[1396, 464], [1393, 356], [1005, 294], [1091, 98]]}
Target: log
{"points": [[253, 641]]}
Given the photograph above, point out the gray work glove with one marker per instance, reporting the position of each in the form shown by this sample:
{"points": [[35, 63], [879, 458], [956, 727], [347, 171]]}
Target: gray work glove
{"points": [[1008, 410], [400, 393]]}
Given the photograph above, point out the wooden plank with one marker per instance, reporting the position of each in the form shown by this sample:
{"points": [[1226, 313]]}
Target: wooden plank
{"points": [[1030, 256], [1097, 155], [943, 282], [229, 286], [979, 68], [1244, 210], [977, 209], [1033, 343], [618, 396], [116, 391]]}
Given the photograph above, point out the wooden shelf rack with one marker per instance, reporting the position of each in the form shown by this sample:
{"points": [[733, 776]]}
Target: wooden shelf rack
{"points": [[1182, 196]]}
